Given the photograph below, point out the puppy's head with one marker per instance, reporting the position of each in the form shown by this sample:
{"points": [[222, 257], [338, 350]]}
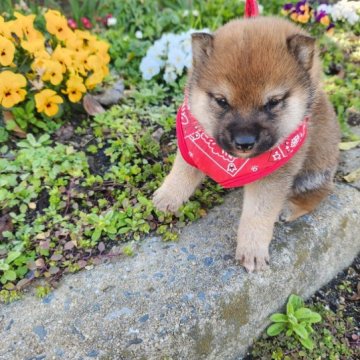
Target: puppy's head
{"points": [[252, 82]]}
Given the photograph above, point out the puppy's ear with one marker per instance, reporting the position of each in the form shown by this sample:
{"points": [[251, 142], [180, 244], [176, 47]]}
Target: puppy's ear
{"points": [[303, 48], [202, 46]]}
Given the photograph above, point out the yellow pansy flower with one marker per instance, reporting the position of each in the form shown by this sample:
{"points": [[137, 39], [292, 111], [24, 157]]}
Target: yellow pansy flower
{"points": [[325, 20], [5, 29], [7, 51], [56, 24], [38, 64], [35, 48], [102, 50], [303, 18], [47, 101], [294, 16], [105, 70], [86, 39], [23, 26], [63, 56], [80, 62], [94, 79], [74, 44], [75, 88], [11, 92], [53, 72], [94, 62], [15, 28]]}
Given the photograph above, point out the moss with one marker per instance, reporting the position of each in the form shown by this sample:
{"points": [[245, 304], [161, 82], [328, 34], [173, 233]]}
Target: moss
{"points": [[302, 256], [236, 311], [203, 344]]}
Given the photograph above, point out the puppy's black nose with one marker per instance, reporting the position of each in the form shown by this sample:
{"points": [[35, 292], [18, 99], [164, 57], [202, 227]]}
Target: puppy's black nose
{"points": [[244, 142]]}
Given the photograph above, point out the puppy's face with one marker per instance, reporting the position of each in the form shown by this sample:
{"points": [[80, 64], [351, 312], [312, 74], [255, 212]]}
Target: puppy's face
{"points": [[251, 83]]}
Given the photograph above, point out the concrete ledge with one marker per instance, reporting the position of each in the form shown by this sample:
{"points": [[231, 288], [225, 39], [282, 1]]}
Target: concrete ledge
{"points": [[184, 300]]}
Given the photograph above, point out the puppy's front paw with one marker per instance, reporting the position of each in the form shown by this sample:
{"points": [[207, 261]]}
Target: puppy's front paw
{"points": [[167, 200], [253, 257]]}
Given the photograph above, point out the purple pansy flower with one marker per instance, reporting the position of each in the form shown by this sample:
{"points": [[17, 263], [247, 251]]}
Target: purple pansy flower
{"points": [[330, 27], [319, 15], [288, 6], [299, 5]]}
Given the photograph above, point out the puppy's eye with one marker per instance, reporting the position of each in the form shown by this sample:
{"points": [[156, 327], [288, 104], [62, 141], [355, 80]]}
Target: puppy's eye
{"points": [[272, 103], [222, 102]]}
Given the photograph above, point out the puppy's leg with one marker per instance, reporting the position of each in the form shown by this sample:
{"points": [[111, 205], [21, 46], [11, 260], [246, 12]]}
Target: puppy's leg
{"points": [[308, 190], [263, 201], [178, 186], [304, 203]]}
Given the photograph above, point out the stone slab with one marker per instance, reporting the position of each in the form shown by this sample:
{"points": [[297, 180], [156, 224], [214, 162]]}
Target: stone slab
{"points": [[184, 300]]}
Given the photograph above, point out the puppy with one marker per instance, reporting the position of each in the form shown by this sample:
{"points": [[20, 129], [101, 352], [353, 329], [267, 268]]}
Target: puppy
{"points": [[251, 84]]}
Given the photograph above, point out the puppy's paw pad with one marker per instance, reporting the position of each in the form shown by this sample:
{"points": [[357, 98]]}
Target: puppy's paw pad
{"points": [[252, 259], [165, 201]]}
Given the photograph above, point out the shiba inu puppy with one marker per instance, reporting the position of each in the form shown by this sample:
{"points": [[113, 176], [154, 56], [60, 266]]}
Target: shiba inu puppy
{"points": [[252, 83]]}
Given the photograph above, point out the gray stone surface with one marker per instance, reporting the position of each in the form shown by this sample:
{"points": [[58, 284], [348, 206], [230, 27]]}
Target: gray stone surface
{"points": [[184, 300], [350, 160]]}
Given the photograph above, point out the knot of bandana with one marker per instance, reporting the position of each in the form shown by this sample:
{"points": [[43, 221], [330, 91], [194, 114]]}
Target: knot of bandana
{"points": [[251, 8]]}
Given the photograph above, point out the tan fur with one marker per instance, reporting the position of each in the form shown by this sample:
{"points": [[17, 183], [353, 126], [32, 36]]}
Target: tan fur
{"points": [[178, 186], [248, 62]]}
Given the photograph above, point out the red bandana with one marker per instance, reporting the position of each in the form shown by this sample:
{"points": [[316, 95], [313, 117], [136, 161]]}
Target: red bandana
{"points": [[201, 151], [251, 8]]}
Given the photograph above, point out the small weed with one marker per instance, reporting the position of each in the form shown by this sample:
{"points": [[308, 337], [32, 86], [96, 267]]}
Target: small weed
{"points": [[42, 291], [296, 322]]}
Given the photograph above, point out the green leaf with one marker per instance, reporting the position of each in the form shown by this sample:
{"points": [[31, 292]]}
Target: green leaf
{"points": [[289, 332], [303, 313], [75, 9], [10, 275], [307, 343], [93, 218], [44, 138], [289, 308], [278, 318], [32, 141], [12, 256], [301, 331], [294, 303], [315, 318], [309, 329], [18, 112], [292, 319], [30, 106], [276, 329], [3, 266], [10, 125], [353, 176], [123, 230], [96, 234], [349, 145]]}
